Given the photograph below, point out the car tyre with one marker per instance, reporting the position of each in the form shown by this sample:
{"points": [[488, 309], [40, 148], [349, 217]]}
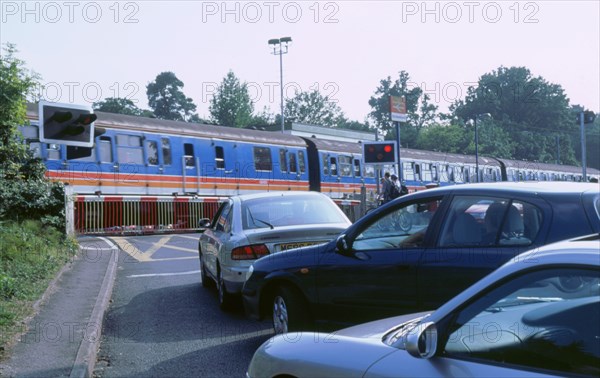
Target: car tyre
{"points": [[290, 313], [225, 299]]}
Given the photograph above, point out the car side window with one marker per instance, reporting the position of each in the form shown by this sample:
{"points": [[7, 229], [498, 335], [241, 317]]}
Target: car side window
{"points": [[404, 227], [544, 319], [221, 220], [489, 221]]}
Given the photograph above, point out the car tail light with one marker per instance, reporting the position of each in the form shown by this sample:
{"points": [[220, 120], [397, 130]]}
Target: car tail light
{"points": [[249, 252]]}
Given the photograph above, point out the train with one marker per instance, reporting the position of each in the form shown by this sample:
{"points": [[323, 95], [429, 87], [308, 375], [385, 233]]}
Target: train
{"points": [[153, 157]]}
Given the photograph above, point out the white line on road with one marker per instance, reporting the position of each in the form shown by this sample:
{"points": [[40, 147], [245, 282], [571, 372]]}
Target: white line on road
{"points": [[163, 274]]}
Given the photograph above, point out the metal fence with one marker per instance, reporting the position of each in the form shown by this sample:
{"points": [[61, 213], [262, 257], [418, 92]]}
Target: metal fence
{"points": [[121, 215], [140, 215]]}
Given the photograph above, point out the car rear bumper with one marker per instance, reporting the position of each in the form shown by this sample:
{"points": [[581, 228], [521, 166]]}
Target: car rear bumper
{"points": [[234, 278]]}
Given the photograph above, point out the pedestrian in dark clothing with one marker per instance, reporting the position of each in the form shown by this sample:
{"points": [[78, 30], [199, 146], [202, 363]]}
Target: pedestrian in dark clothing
{"points": [[386, 188]]}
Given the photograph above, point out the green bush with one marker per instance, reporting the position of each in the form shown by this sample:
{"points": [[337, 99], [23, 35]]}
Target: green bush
{"points": [[31, 253], [33, 199]]}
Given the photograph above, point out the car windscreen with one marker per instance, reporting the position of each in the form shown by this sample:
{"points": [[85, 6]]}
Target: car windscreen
{"points": [[289, 211]]}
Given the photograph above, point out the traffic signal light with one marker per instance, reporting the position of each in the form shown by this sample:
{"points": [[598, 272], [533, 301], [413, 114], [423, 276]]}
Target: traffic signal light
{"points": [[588, 116], [380, 152], [68, 124]]}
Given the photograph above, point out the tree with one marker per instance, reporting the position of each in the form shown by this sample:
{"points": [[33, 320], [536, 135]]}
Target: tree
{"points": [[120, 106], [314, 108], [16, 85], [231, 105], [167, 100], [358, 126], [24, 191], [419, 116], [529, 109]]}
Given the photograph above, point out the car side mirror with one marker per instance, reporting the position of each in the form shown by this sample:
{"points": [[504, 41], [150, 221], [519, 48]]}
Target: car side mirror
{"points": [[422, 341], [203, 224], [342, 244]]}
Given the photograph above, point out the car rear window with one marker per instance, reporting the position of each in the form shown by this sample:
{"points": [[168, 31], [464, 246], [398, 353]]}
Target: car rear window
{"points": [[290, 211]]}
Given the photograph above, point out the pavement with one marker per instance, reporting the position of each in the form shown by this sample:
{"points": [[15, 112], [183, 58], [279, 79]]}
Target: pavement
{"points": [[63, 337]]}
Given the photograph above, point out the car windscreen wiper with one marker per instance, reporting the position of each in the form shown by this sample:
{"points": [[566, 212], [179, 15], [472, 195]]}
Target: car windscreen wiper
{"points": [[521, 301]]}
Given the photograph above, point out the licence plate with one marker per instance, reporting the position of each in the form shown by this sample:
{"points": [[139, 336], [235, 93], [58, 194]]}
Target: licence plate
{"points": [[286, 246]]}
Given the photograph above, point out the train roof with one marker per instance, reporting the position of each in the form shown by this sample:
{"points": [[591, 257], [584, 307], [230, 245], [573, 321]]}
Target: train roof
{"points": [[162, 126]]}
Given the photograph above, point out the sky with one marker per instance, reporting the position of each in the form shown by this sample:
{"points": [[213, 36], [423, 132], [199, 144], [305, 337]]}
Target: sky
{"points": [[86, 51]]}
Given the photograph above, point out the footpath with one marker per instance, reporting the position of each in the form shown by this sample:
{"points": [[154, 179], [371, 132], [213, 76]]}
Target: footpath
{"points": [[63, 337]]}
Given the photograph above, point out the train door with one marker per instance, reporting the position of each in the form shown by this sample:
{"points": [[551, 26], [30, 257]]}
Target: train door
{"points": [[190, 168], [223, 174], [131, 165], [154, 165], [108, 168]]}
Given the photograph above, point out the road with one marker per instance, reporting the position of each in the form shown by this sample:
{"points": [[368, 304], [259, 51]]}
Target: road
{"points": [[162, 322]]}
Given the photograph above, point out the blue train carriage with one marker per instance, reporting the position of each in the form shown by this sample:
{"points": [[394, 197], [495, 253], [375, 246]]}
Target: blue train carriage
{"points": [[517, 170], [337, 169], [146, 156], [421, 168]]}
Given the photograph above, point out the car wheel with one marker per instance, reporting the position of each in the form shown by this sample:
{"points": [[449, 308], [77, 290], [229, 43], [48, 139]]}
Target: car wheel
{"points": [[225, 299], [206, 281], [289, 311]]}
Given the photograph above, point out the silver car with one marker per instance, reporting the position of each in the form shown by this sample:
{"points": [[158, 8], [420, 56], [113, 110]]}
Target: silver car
{"points": [[251, 226], [537, 315]]}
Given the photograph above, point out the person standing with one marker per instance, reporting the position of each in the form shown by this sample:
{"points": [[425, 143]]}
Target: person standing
{"points": [[386, 188]]}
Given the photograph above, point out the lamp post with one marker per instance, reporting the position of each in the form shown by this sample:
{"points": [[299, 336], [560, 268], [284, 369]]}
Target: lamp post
{"points": [[280, 47]]}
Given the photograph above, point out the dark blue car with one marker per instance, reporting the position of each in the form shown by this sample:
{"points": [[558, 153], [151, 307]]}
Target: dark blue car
{"points": [[415, 252]]}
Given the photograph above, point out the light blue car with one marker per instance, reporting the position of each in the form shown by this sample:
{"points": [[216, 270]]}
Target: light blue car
{"points": [[537, 315]]}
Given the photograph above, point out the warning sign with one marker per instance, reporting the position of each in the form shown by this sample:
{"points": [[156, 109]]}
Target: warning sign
{"points": [[398, 109]]}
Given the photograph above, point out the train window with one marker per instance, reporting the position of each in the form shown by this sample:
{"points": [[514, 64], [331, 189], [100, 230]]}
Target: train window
{"points": [[467, 174], [426, 172], [188, 152], [345, 165], [369, 170], [418, 172], [129, 140], [129, 149], [333, 166], [325, 165], [293, 164], [458, 174], [262, 159], [301, 162], [53, 151], [105, 150], [219, 157], [408, 171], [357, 172], [166, 149], [451, 175], [152, 152], [283, 160], [434, 173]]}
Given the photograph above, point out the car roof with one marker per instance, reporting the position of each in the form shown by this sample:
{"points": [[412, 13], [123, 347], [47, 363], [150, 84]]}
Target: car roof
{"points": [[525, 187], [289, 193], [577, 252]]}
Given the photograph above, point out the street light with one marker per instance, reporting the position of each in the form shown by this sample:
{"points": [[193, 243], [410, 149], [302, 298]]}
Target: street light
{"points": [[280, 47]]}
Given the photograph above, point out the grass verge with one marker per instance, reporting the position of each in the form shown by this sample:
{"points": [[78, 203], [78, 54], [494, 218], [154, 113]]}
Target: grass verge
{"points": [[30, 257]]}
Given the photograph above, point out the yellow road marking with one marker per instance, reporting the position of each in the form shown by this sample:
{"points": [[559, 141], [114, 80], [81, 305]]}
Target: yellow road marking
{"points": [[140, 256]]}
